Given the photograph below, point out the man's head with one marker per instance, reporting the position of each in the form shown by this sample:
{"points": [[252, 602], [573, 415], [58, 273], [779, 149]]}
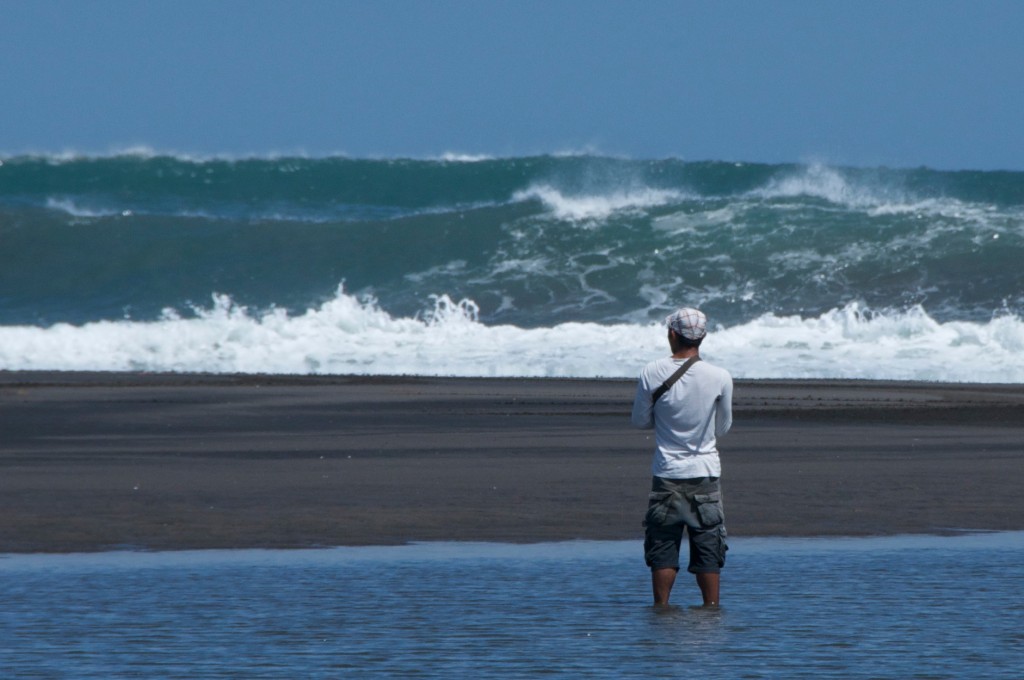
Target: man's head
{"points": [[688, 326]]}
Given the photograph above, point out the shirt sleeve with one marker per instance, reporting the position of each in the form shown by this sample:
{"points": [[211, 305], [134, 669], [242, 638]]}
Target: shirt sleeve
{"points": [[643, 407], [723, 414]]}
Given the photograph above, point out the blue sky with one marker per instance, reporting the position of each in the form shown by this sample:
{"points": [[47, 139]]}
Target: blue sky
{"points": [[865, 82]]}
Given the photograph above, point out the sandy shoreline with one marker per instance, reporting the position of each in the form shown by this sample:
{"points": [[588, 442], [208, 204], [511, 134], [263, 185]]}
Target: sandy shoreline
{"points": [[92, 461]]}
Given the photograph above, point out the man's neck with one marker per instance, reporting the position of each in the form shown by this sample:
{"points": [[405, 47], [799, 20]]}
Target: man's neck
{"points": [[686, 353]]}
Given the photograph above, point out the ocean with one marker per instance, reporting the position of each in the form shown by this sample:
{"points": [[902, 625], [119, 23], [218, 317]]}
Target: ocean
{"points": [[893, 607], [542, 266]]}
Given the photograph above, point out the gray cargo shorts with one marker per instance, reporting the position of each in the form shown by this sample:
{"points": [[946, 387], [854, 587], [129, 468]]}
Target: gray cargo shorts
{"points": [[694, 505]]}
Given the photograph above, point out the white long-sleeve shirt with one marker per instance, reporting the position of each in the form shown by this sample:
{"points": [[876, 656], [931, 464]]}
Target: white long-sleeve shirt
{"points": [[687, 420]]}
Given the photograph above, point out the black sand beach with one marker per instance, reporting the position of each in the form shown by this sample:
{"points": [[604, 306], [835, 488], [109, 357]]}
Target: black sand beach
{"points": [[100, 461]]}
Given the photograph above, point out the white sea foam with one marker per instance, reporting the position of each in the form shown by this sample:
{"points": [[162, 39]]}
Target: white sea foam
{"points": [[596, 206], [683, 223], [355, 337], [452, 157], [144, 152], [66, 205], [855, 343], [75, 155]]}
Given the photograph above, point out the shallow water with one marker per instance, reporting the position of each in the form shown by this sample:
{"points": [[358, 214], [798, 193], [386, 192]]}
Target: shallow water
{"points": [[897, 607]]}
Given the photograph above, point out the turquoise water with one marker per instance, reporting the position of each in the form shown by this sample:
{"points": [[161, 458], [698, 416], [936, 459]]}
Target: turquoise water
{"points": [[507, 266], [897, 607], [534, 241]]}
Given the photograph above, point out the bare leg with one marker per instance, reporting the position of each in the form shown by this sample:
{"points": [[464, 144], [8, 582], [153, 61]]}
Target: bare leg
{"points": [[662, 581], [708, 584]]}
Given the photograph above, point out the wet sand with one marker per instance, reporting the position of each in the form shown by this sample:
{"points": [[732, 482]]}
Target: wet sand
{"points": [[101, 461]]}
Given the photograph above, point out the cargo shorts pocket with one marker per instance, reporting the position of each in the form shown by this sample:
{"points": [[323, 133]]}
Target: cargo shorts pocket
{"points": [[709, 509], [658, 505]]}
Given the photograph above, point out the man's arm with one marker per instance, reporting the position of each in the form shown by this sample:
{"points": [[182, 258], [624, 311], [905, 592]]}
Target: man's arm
{"points": [[723, 414], [643, 407]]}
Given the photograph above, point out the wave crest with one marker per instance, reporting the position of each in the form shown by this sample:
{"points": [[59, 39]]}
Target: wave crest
{"points": [[596, 206], [829, 184]]}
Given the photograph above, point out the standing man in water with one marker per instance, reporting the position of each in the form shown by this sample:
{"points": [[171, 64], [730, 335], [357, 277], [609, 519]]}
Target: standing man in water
{"points": [[688, 403]]}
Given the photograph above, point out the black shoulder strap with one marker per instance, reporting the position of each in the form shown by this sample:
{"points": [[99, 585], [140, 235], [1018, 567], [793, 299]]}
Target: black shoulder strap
{"points": [[673, 378]]}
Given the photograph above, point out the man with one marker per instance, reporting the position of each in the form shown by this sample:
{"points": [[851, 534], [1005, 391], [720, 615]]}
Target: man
{"points": [[687, 418]]}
